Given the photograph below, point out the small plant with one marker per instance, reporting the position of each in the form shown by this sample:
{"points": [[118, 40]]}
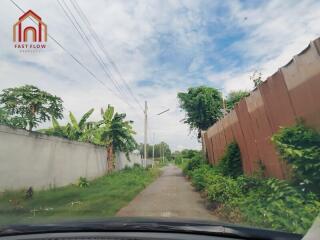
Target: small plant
{"points": [[230, 163], [83, 182], [299, 145]]}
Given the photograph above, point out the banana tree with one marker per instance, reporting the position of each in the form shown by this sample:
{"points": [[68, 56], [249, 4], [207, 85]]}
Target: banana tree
{"points": [[115, 133], [79, 130], [74, 130]]}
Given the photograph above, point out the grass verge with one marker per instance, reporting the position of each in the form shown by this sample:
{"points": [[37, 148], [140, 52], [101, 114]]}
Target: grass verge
{"points": [[102, 198]]}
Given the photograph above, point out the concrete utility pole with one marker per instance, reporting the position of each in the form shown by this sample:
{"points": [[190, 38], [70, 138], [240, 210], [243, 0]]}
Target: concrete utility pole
{"points": [[153, 151], [145, 132], [162, 152]]}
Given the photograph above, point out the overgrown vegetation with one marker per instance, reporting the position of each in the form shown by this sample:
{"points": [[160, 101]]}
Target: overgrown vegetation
{"points": [[230, 163], [299, 145], [103, 197], [182, 157], [254, 200], [234, 97]]}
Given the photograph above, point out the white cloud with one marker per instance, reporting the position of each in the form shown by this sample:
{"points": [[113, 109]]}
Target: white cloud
{"points": [[130, 31]]}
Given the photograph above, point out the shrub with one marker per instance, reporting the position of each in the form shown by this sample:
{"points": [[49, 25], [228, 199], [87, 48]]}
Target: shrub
{"points": [[222, 189], [83, 182], [300, 147], [230, 163], [269, 203], [194, 163], [198, 177], [278, 205]]}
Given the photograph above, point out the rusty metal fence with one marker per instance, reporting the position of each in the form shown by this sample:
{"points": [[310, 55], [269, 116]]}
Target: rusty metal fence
{"points": [[292, 92]]}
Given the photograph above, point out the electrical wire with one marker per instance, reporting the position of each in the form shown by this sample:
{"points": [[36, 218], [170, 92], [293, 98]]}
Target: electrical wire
{"points": [[71, 55], [100, 44], [91, 48]]}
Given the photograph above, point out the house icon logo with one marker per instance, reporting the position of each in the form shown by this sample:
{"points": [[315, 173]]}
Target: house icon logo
{"points": [[30, 32]]}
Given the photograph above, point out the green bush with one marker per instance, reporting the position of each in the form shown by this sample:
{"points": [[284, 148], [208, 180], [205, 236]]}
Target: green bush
{"points": [[222, 189], [230, 163], [278, 205], [199, 175], [194, 163], [300, 147], [269, 203]]}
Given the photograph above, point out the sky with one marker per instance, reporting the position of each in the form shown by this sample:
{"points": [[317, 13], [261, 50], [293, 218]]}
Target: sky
{"points": [[160, 48]]}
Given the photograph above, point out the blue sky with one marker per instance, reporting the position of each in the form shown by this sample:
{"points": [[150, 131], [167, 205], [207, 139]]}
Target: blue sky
{"points": [[160, 47]]}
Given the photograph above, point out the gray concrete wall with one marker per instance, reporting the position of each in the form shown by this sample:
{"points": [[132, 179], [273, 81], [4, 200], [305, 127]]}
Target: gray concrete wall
{"points": [[122, 161], [41, 161]]}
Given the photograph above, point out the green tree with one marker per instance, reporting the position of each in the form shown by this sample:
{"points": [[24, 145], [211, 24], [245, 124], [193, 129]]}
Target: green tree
{"points": [[202, 106], [31, 105], [160, 149], [74, 130], [115, 132], [234, 97], [81, 130], [11, 121]]}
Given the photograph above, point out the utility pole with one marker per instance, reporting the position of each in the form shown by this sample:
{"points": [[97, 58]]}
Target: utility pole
{"points": [[162, 153], [145, 132], [153, 151]]}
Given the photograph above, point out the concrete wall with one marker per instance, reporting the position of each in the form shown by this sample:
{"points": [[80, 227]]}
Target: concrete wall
{"points": [[122, 161], [41, 161]]}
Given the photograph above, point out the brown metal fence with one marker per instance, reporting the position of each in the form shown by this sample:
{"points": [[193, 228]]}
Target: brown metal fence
{"points": [[292, 92]]}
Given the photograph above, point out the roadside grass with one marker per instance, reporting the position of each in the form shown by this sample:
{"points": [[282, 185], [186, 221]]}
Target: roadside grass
{"points": [[102, 198]]}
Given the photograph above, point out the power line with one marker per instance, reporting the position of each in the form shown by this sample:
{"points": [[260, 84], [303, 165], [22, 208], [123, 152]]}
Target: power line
{"points": [[92, 48], [100, 44], [70, 54], [86, 40]]}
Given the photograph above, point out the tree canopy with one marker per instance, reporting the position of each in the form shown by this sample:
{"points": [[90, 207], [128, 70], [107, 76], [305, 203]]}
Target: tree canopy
{"points": [[202, 106], [29, 106], [234, 97], [160, 149]]}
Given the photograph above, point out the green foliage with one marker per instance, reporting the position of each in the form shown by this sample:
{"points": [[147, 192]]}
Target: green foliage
{"points": [[279, 205], [83, 182], [11, 121], [113, 131], [160, 149], [195, 162], [230, 163], [222, 189], [234, 97], [116, 132], [269, 203], [299, 145], [202, 106], [29, 106]]}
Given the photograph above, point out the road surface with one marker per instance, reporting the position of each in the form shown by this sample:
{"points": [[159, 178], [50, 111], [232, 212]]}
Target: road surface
{"points": [[171, 195]]}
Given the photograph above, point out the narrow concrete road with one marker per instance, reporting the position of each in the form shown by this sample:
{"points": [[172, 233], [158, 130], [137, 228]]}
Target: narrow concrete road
{"points": [[171, 195]]}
